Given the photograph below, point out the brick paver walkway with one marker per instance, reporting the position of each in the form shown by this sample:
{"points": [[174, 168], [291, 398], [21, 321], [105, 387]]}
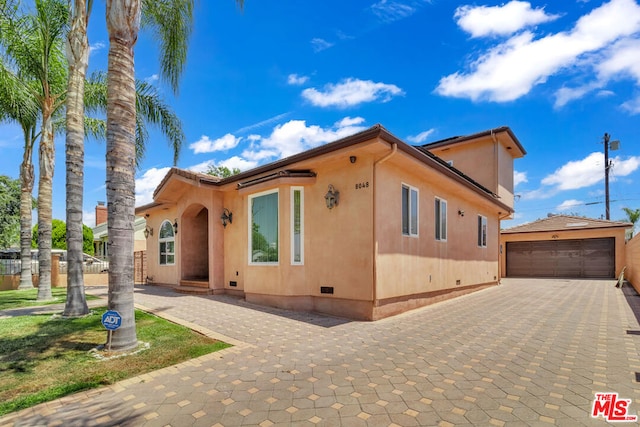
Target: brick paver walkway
{"points": [[526, 353]]}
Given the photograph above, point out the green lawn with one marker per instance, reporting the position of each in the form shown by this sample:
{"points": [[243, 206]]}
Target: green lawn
{"points": [[44, 357], [27, 298]]}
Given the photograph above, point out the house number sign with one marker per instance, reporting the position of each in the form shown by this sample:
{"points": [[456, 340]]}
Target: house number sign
{"points": [[361, 185]]}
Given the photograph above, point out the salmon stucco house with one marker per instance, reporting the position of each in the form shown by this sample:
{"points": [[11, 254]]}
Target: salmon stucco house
{"points": [[364, 227]]}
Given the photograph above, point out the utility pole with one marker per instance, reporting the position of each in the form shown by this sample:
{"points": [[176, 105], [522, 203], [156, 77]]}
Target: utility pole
{"points": [[606, 174], [614, 145]]}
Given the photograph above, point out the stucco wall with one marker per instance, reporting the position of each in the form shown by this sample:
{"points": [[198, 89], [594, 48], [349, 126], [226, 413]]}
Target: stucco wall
{"points": [[167, 274], [408, 265], [632, 259], [617, 233], [465, 158], [337, 242]]}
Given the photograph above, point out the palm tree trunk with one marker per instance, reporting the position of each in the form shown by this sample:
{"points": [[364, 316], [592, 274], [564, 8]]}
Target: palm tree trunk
{"points": [[26, 206], [78, 58], [123, 23], [45, 191]]}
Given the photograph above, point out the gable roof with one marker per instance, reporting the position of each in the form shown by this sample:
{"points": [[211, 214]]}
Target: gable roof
{"points": [[376, 131], [460, 139], [565, 223]]}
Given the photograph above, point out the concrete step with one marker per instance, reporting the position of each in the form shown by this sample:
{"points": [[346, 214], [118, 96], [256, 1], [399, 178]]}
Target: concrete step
{"points": [[193, 290]]}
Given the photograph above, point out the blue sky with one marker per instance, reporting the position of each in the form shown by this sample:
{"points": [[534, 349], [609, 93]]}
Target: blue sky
{"points": [[274, 79]]}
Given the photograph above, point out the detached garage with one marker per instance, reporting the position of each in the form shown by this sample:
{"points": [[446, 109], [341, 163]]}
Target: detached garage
{"points": [[564, 246]]}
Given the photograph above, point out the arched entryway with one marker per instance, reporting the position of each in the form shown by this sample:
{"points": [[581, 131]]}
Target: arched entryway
{"points": [[194, 253]]}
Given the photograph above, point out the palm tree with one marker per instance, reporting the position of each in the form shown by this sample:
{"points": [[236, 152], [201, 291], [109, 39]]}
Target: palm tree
{"points": [[78, 61], [633, 216], [17, 105], [32, 45], [123, 24]]}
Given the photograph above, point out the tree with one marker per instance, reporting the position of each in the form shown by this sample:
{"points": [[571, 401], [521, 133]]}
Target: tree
{"points": [[9, 211], [222, 171], [633, 216], [18, 104], [33, 43], [171, 21], [59, 232], [78, 61]]}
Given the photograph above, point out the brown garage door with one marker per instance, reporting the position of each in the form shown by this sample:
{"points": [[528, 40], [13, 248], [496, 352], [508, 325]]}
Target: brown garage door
{"points": [[587, 258]]}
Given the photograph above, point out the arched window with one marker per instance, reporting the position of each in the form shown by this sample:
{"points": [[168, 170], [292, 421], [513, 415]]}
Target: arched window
{"points": [[167, 244]]}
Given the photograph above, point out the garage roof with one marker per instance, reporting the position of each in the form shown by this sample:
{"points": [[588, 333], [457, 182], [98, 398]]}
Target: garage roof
{"points": [[564, 223]]}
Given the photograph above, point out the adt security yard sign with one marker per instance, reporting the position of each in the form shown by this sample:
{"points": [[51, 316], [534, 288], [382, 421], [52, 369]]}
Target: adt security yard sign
{"points": [[111, 320]]}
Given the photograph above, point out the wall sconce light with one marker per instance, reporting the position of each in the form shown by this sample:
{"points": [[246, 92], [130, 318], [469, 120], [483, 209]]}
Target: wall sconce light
{"points": [[353, 159], [148, 231], [175, 226], [460, 212], [332, 197], [226, 217]]}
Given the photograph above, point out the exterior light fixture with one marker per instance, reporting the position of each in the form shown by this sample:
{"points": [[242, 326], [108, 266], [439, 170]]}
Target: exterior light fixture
{"points": [[353, 159], [175, 226], [332, 197], [226, 217], [460, 212], [148, 231]]}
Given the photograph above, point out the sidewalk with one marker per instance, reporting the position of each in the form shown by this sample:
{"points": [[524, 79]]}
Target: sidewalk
{"points": [[526, 353]]}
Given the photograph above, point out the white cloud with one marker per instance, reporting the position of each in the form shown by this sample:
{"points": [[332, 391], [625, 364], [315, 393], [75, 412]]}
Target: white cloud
{"points": [[319, 44], [206, 145], [295, 136], [96, 47], [390, 11], [509, 70], [147, 183], [294, 79], [421, 137], [589, 171], [238, 162], [480, 21], [89, 218], [350, 92], [519, 178], [632, 106], [231, 163], [265, 122], [569, 204], [349, 121], [152, 78]]}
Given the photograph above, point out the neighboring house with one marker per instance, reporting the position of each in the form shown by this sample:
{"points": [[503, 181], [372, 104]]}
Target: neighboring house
{"points": [[364, 227], [565, 246], [100, 233]]}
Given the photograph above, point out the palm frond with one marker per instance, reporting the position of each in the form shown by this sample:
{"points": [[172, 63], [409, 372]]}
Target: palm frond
{"points": [[171, 21]]}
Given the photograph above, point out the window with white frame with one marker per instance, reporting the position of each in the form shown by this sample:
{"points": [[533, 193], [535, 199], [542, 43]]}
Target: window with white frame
{"points": [[297, 226], [263, 228], [167, 244], [409, 210], [441, 219], [482, 231]]}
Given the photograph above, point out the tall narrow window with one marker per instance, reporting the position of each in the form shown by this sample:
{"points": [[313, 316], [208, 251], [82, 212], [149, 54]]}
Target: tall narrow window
{"points": [[409, 211], [297, 226], [441, 219], [167, 244], [482, 231], [263, 228]]}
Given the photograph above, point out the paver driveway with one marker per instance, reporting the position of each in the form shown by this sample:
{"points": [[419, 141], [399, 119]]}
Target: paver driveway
{"points": [[527, 352]]}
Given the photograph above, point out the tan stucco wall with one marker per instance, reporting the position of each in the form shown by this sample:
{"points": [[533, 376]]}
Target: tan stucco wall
{"points": [[409, 265], [337, 242], [617, 233], [167, 274], [340, 245], [494, 171], [632, 260]]}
